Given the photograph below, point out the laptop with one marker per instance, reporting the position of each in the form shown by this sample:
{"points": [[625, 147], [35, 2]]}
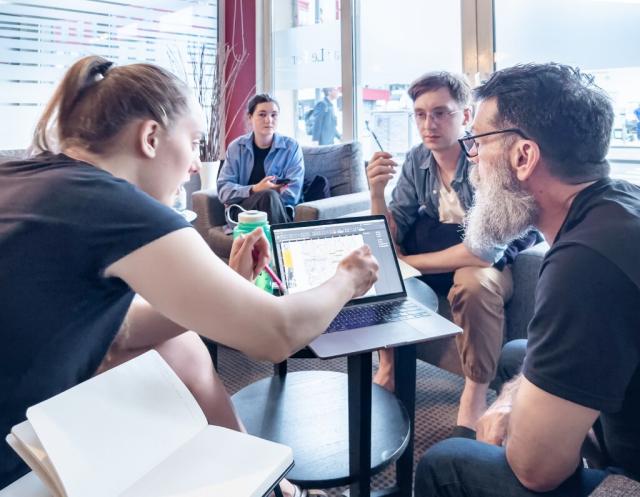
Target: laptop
{"points": [[307, 254]]}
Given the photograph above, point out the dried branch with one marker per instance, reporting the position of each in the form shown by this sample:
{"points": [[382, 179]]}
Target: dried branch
{"points": [[211, 72]]}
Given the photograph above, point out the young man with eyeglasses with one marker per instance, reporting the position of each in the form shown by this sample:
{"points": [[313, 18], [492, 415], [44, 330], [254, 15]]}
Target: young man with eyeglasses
{"points": [[540, 139], [426, 215]]}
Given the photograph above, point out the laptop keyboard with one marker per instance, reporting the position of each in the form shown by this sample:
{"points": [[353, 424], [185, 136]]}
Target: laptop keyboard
{"points": [[378, 313]]}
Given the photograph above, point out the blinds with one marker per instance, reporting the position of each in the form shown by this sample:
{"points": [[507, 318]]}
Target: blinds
{"points": [[40, 39]]}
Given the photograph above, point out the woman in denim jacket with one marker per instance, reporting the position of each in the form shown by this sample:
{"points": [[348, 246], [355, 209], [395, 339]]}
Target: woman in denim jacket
{"points": [[263, 170]]}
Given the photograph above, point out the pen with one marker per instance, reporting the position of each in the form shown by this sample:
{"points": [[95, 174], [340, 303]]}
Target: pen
{"points": [[275, 278], [366, 125], [270, 272]]}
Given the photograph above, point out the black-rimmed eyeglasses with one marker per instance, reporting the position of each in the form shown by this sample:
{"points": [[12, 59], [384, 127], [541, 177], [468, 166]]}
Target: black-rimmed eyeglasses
{"points": [[470, 146]]}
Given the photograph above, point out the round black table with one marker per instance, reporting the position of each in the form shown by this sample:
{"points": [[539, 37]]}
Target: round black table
{"points": [[422, 292], [310, 412]]}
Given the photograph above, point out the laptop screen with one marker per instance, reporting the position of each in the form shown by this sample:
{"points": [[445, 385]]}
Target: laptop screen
{"points": [[307, 254]]}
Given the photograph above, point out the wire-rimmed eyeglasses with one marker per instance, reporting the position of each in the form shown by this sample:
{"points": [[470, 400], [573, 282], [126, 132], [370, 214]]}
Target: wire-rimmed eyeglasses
{"points": [[470, 146], [437, 115]]}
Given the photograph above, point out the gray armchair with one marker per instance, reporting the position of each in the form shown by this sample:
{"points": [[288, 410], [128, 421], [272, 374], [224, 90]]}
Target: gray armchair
{"points": [[341, 164], [11, 155], [518, 311]]}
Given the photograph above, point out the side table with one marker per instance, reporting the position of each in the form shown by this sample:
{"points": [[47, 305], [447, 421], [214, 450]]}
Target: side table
{"points": [[337, 442]]}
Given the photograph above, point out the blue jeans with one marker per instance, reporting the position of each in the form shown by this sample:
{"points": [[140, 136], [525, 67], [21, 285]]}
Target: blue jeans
{"points": [[461, 467], [510, 362]]}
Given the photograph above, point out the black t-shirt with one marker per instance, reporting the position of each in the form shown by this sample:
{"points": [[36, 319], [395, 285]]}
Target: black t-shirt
{"points": [[257, 173], [584, 338], [62, 223]]}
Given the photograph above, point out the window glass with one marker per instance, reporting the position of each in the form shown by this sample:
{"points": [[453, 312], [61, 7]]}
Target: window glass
{"points": [[307, 69], [40, 39], [397, 43], [599, 36]]}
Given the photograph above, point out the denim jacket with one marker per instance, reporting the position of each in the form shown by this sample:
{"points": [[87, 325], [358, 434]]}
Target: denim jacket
{"points": [[417, 194], [284, 160]]}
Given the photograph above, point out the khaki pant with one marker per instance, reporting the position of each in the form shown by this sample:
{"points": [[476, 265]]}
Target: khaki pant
{"points": [[477, 299]]}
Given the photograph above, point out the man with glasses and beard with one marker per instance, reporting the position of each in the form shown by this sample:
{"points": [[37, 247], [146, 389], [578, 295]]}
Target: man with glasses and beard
{"points": [[426, 213], [540, 137]]}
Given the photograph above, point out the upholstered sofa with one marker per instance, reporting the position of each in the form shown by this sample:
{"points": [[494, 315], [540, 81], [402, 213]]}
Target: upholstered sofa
{"points": [[342, 165]]}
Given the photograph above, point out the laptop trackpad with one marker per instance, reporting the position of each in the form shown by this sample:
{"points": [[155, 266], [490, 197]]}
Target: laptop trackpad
{"points": [[365, 339], [434, 326]]}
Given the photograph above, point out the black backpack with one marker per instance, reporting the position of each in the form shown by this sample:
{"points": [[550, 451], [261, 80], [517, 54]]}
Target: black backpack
{"points": [[315, 189]]}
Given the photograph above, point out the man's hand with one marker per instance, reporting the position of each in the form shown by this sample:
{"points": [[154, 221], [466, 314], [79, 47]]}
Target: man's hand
{"points": [[379, 171], [362, 267], [492, 425], [267, 183], [249, 254]]}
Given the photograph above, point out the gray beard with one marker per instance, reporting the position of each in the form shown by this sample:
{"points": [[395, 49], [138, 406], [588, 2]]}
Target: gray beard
{"points": [[502, 210]]}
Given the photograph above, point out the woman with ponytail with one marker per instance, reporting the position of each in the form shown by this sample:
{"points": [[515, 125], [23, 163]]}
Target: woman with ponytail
{"points": [[85, 225]]}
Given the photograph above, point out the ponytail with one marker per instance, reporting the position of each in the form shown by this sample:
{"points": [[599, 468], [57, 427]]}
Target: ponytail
{"points": [[95, 101]]}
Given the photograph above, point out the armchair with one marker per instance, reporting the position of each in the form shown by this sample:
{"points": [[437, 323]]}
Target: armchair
{"points": [[341, 164], [11, 155]]}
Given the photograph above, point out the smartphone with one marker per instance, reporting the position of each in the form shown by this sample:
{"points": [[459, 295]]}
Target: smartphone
{"points": [[282, 181]]}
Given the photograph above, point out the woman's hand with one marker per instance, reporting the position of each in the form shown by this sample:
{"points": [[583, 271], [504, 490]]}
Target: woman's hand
{"points": [[249, 254], [267, 183], [362, 267]]}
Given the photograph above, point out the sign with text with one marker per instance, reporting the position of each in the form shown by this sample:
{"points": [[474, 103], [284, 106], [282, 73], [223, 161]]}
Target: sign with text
{"points": [[307, 57]]}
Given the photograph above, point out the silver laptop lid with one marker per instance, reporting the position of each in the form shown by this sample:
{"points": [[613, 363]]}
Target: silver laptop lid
{"points": [[307, 253]]}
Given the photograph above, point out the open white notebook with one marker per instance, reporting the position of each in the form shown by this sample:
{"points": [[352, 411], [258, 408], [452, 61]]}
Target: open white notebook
{"points": [[136, 430]]}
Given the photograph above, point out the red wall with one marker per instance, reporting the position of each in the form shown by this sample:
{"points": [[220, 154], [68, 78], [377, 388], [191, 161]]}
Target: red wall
{"points": [[240, 22]]}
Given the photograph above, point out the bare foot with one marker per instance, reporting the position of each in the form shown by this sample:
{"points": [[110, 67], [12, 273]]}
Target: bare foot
{"points": [[288, 489], [473, 403], [385, 379]]}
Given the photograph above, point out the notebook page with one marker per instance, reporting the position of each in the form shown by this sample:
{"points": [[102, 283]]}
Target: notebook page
{"points": [[104, 434], [217, 462], [25, 442], [27, 486]]}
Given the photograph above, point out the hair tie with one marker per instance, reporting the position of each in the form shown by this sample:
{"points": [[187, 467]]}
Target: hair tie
{"points": [[101, 69]]}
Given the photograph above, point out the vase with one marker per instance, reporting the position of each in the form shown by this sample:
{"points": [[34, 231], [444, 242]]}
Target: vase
{"points": [[209, 174]]}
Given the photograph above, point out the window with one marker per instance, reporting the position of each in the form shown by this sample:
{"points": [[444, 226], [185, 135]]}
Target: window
{"points": [[396, 42], [599, 36], [39, 40], [396, 45], [307, 73]]}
